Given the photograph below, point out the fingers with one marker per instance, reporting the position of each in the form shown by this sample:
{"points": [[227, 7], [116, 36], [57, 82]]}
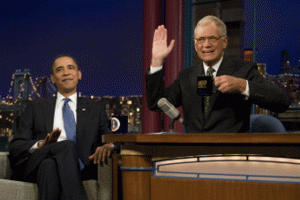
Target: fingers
{"points": [[223, 84], [41, 143], [229, 84], [105, 155], [170, 47], [161, 35], [101, 154], [160, 32], [54, 135], [47, 139], [160, 48], [51, 137], [91, 157]]}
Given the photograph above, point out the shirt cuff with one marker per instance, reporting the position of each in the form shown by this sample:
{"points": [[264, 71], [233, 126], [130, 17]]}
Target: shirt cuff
{"points": [[247, 91], [155, 69], [34, 147]]}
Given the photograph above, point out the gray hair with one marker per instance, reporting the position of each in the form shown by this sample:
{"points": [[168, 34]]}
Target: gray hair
{"points": [[212, 19]]}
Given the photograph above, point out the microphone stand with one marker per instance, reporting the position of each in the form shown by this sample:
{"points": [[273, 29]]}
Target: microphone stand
{"points": [[171, 126]]}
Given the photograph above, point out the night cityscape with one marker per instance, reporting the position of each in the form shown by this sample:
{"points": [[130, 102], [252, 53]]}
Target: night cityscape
{"points": [[14, 103]]}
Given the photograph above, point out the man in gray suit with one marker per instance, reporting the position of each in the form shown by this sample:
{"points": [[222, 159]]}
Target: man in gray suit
{"points": [[238, 84], [58, 142]]}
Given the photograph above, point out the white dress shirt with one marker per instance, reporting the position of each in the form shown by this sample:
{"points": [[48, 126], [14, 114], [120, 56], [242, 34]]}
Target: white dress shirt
{"points": [[58, 121], [215, 67]]}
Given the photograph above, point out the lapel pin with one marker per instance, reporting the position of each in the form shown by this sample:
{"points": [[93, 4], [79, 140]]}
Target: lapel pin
{"points": [[83, 109]]}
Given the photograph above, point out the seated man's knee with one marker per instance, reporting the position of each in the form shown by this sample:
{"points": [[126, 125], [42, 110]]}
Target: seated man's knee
{"points": [[48, 163], [64, 147]]}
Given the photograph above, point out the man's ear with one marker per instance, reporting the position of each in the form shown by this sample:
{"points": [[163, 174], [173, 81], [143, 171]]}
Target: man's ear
{"points": [[52, 78], [79, 74], [225, 42], [195, 45]]}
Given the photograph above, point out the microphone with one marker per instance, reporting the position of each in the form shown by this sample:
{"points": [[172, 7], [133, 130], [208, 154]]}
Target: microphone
{"points": [[169, 109]]}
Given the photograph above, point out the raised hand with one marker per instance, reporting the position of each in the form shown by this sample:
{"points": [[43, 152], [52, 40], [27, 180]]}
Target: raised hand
{"points": [[50, 138], [160, 49]]}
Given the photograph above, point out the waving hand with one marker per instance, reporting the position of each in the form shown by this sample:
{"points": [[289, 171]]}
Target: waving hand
{"points": [[160, 48]]}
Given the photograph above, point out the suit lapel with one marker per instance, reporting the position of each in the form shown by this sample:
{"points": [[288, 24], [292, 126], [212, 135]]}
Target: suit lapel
{"points": [[49, 108], [197, 71], [83, 111], [226, 68]]}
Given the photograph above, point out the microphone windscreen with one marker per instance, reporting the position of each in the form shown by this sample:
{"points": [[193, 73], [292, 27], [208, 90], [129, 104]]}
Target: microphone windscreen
{"points": [[168, 108]]}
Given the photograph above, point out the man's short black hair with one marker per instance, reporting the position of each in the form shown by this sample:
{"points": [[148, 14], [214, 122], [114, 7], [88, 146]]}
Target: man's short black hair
{"points": [[61, 56]]}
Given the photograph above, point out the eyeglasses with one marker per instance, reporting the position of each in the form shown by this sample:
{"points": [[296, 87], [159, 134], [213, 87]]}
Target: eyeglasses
{"points": [[211, 39]]}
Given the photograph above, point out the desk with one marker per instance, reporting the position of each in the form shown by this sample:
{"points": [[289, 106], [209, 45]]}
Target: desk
{"points": [[140, 151]]}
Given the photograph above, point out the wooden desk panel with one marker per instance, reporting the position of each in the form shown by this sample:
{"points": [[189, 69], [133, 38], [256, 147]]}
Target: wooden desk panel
{"points": [[194, 189], [216, 138], [139, 150]]}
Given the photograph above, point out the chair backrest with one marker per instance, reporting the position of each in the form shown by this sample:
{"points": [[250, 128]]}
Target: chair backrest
{"points": [[265, 124]]}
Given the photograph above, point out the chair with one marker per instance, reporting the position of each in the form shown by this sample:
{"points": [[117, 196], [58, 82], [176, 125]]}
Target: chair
{"points": [[18, 190], [265, 124]]}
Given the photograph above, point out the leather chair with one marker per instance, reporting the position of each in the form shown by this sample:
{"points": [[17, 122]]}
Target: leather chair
{"points": [[18, 190], [265, 124]]}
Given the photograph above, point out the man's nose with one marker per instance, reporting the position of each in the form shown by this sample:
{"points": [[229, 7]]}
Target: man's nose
{"points": [[207, 42], [66, 72]]}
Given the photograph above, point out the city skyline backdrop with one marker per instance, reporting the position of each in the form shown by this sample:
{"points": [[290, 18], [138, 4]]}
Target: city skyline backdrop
{"points": [[105, 37]]}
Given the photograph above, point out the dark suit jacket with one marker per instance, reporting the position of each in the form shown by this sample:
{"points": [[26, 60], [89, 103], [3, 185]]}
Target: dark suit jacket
{"points": [[37, 121], [227, 112]]}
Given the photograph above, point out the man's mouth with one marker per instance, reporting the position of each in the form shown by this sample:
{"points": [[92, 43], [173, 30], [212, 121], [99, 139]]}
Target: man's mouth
{"points": [[209, 51], [67, 79]]}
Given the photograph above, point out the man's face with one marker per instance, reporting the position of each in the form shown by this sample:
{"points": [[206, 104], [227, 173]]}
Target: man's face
{"points": [[211, 49], [65, 74]]}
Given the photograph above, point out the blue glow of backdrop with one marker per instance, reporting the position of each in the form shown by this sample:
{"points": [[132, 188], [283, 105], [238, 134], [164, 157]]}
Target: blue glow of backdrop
{"points": [[104, 36]]}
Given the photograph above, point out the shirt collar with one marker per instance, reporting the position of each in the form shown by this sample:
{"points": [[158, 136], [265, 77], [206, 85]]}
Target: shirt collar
{"points": [[215, 66], [73, 97]]}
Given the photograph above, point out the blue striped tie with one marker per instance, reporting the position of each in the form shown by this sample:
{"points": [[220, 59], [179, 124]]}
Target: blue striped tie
{"points": [[69, 121], [70, 125]]}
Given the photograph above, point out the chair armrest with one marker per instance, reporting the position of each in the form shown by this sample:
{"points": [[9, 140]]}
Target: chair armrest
{"points": [[105, 181], [5, 171]]}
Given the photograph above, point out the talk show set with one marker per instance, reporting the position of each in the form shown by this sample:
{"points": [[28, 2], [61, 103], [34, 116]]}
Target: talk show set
{"points": [[215, 114]]}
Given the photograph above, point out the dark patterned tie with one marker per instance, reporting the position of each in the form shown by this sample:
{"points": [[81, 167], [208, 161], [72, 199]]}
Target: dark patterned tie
{"points": [[210, 72], [70, 125]]}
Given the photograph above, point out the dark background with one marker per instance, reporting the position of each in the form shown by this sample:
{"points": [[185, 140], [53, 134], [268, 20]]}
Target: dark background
{"points": [[278, 29], [105, 36]]}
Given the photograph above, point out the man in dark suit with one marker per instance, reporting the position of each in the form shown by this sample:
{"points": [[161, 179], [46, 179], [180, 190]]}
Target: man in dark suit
{"points": [[58, 143], [237, 83]]}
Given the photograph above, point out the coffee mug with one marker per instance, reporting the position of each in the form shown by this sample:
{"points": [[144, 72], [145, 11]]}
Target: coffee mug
{"points": [[205, 85], [118, 124]]}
